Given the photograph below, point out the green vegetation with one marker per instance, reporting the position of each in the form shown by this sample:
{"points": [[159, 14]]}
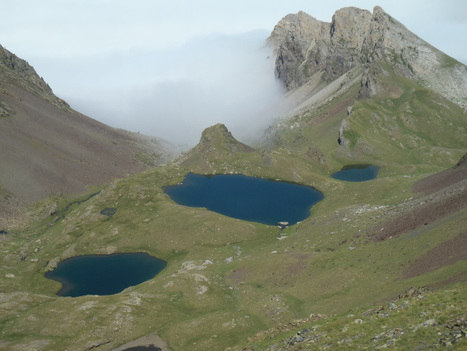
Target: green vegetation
{"points": [[226, 279], [420, 320], [448, 61]]}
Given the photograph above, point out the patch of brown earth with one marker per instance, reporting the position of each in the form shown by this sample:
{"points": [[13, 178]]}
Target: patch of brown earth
{"points": [[447, 253], [238, 276], [423, 212], [441, 180], [444, 199], [444, 179], [336, 109]]}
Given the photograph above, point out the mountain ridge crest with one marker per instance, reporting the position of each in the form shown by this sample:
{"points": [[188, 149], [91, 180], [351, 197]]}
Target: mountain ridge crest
{"points": [[305, 46]]}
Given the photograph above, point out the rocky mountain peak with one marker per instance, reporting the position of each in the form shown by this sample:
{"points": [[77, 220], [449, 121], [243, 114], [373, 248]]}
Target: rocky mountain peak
{"points": [[350, 26], [306, 47], [18, 72]]}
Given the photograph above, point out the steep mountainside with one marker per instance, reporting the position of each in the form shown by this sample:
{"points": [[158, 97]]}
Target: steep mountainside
{"points": [[47, 148]]}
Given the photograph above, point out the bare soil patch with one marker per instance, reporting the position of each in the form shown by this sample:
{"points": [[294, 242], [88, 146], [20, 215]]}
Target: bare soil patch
{"points": [[449, 252], [423, 212], [441, 180]]}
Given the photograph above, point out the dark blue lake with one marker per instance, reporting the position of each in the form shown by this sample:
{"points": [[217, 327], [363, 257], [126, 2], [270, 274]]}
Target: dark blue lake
{"points": [[356, 173], [247, 198], [104, 274]]}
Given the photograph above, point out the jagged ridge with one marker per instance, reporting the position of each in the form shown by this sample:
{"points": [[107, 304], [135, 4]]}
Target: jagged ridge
{"points": [[305, 46]]}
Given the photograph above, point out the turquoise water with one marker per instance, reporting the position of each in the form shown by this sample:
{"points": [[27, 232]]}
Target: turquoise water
{"points": [[247, 198], [356, 173], [104, 274]]}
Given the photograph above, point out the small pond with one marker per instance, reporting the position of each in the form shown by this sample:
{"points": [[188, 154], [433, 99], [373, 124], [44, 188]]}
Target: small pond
{"points": [[247, 198], [356, 173], [109, 212], [104, 274]]}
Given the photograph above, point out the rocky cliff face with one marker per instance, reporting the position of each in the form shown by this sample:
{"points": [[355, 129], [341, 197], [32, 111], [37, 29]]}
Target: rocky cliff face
{"points": [[306, 47]]}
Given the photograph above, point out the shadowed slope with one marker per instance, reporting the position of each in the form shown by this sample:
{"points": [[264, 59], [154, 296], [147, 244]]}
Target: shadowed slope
{"points": [[48, 148]]}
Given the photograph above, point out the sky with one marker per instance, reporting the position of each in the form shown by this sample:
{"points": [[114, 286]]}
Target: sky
{"points": [[173, 68]]}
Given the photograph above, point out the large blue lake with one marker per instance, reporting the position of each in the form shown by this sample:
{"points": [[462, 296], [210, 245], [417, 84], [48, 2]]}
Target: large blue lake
{"points": [[356, 173], [247, 198], [104, 274]]}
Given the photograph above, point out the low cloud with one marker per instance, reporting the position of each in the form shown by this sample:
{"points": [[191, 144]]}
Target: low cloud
{"points": [[175, 94]]}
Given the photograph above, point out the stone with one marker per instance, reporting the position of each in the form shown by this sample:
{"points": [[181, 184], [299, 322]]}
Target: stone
{"points": [[429, 323]]}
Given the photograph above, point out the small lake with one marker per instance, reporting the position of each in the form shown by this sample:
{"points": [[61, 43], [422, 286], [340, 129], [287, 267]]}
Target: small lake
{"points": [[356, 173], [104, 274], [246, 198]]}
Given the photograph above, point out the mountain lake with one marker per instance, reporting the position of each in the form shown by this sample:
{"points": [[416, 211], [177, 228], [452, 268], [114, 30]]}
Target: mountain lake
{"points": [[356, 173], [104, 274], [247, 198]]}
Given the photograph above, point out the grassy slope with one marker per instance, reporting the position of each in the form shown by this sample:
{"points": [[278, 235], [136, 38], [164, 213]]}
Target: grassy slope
{"points": [[227, 279], [423, 321]]}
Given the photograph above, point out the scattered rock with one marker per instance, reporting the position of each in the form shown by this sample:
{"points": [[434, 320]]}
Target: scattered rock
{"points": [[456, 330], [429, 323], [414, 292], [6, 110]]}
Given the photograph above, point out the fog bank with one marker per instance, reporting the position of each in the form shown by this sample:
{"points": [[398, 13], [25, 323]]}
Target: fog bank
{"points": [[175, 94]]}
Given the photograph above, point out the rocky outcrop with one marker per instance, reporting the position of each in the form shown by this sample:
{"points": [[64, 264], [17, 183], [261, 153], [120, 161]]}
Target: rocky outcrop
{"points": [[305, 46], [14, 70], [315, 154], [216, 144], [219, 136], [361, 330], [462, 162], [6, 110]]}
